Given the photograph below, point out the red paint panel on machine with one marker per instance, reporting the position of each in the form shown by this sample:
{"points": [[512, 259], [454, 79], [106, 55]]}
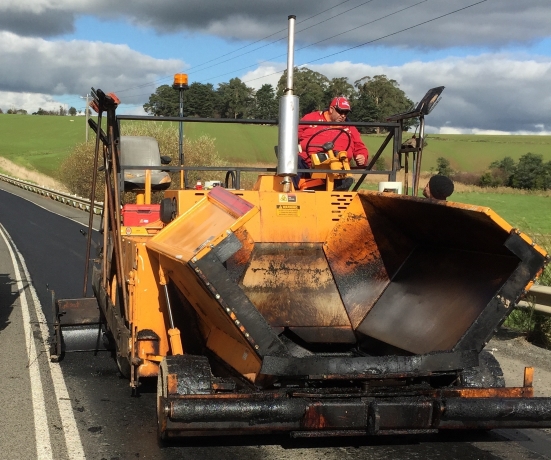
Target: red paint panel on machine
{"points": [[233, 204]]}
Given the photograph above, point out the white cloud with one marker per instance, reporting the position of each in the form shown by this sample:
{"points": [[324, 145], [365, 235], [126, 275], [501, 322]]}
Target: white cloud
{"points": [[490, 92], [30, 102], [56, 67], [131, 110], [266, 74], [491, 23], [490, 132]]}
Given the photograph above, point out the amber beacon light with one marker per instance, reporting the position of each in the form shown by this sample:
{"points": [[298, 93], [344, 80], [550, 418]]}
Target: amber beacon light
{"points": [[180, 81]]}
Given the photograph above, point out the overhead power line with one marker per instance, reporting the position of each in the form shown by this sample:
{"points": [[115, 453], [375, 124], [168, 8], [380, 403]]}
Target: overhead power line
{"points": [[376, 39], [320, 41], [361, 44], [238, 49]]}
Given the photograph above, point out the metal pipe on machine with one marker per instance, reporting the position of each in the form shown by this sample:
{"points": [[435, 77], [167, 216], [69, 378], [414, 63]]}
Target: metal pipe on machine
{"points": [[489, 413], [287, 160]]}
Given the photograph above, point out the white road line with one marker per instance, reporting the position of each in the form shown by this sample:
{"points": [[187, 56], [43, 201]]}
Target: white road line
{"points": [[73, 442], [42, 432]]}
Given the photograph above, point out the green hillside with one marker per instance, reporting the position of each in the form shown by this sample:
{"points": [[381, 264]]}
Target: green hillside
{"points": [[476, 152], [39, 142], [42, 142]]}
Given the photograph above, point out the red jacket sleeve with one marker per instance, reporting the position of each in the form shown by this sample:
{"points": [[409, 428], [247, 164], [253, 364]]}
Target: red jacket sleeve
{"points": [[358, 147]]}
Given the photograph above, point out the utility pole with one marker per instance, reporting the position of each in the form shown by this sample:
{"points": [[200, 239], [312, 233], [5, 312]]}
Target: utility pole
{"points": [[86, 113]]}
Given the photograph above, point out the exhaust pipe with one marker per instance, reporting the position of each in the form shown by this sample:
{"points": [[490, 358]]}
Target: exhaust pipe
{"points": [[287, 160]]}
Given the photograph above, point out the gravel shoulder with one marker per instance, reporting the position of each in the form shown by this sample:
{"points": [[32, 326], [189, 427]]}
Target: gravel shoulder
{"points": [[514, 353]]}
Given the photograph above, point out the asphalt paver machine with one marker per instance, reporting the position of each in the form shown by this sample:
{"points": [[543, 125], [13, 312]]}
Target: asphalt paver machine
{"points": [[316, 313]]}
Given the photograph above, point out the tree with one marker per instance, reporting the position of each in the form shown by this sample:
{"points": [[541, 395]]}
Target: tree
{"points": [[311, 87], [200, 100], [507, 164], [364, 109], [443, 167], [14, 111], [72, 111], [340, 87], [266, 105], [164, 102], [499, 173], [386, 95], [235, 99], [62, 111], [1, 110], [531, 173]]}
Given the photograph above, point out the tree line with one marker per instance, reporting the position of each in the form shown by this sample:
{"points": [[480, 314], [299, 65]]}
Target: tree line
{"points": [[529, 173], [61, 112], [373, 99]]}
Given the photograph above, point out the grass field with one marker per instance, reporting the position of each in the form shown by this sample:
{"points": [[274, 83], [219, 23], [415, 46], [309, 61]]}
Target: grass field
{"points": [[42, 142], [39, 142], [476, 152], [531, 213]]}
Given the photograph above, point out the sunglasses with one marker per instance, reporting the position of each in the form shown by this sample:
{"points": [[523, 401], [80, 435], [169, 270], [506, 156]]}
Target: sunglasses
{"points": [[340, 111]]}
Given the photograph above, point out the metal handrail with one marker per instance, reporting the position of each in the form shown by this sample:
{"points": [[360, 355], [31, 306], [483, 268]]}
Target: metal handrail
{"points": [[539, 299]]}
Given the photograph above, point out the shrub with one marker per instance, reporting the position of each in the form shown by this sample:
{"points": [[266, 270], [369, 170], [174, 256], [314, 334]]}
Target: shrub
{"points": [[380, 164], [536, 326], [467, 178], [531, 173], [443, 167], [494, 177], [76, 170]]}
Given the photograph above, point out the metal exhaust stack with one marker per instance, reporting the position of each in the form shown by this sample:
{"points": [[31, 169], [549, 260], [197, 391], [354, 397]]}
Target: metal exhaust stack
{"points": [[287, 160]]}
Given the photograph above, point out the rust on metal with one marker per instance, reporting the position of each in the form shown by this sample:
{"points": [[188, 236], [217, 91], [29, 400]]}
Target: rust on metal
{"points": [[511, 392], [291, 285], [356, 264], [528, 377], [82, 311], [172, 384], [313, 418]]}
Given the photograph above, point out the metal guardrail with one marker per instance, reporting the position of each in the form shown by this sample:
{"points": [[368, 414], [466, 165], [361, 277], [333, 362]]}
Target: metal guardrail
{"points": [[538, 298], [65, 198]]}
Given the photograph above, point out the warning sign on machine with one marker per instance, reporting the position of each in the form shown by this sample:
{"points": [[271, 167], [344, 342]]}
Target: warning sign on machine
{"points": [[288, 210]]}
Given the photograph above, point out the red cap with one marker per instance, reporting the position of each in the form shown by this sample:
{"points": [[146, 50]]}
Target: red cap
{"points": [[341, 103]]}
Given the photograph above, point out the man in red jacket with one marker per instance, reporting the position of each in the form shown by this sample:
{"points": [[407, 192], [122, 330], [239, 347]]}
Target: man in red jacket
{"points": [[347, 138]]}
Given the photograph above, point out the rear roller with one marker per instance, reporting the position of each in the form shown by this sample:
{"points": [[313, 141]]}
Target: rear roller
{"points": [[179, 376]]}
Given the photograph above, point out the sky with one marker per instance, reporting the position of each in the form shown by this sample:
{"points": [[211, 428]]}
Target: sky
{"points": [[492, 56]]}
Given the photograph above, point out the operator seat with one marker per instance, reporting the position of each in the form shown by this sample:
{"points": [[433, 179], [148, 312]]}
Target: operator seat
{"points": [[142, 151]]}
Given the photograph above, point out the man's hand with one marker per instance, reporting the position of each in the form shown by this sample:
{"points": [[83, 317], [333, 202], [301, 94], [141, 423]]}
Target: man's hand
{"points": [[360, 160]]}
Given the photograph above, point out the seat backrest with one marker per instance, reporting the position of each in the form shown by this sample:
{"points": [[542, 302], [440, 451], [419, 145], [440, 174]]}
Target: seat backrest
{"points": [[141, 151]]}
